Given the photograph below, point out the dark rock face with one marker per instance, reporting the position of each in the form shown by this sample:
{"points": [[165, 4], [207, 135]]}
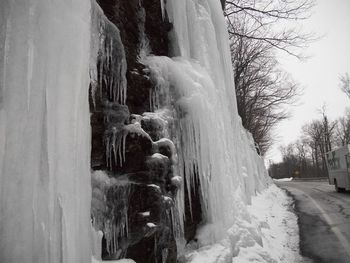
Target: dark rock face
{"points": [[137, 218], [193, 211], [136, 210]]}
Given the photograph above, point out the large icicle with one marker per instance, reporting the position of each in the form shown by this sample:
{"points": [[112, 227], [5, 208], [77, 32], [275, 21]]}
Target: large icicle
{"points": [[44, 131]]}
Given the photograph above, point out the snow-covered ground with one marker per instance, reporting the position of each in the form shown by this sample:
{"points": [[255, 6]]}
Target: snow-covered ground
{"points": [[270, 234]]}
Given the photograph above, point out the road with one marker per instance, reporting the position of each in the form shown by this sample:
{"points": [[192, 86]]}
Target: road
{"points": [[324, 220]]}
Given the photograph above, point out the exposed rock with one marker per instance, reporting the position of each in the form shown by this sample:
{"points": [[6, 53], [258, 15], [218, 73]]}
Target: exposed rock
{"points": [[133, 202]]}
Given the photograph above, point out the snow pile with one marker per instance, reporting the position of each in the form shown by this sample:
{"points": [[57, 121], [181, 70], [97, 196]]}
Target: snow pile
{"points": [[45, 183], [272, 211], [269, 234]]}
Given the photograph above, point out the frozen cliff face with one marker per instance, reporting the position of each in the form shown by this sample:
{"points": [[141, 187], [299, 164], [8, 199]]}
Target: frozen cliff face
{"points": [[193, 139], [128, 101], [133, 181], [45, 131], [215, 153]]}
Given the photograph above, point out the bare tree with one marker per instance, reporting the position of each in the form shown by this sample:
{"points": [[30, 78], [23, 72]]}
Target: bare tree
{"points": [[263, 19], [313, 132], [345, 84], [262, 89], [320, 134], [307, 154], [342, 130]]}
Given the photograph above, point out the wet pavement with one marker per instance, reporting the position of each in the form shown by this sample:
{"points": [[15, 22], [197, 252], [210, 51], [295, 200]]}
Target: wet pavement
{"points": [[324, 220]]}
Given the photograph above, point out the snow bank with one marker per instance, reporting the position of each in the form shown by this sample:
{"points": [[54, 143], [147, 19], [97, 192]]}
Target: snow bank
{"points": [[269, 234]]}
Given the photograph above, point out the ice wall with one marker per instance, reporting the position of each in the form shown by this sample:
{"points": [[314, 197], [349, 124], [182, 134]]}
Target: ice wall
{"points": [[45, 73], [196, 86], [44, 131]]}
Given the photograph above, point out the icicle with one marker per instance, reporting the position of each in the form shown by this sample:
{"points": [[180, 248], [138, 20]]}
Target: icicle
{"points": [[162, 5], [112, 217], [107, 64], [115, 141]]}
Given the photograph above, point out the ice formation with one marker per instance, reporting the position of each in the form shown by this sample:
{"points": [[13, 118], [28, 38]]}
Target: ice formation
{"points": [[49, 52], [107, 61], [45, 184], [197, 88]]}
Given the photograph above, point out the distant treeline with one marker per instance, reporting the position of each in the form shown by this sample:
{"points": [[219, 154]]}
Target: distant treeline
{"points": [[305, 157]]}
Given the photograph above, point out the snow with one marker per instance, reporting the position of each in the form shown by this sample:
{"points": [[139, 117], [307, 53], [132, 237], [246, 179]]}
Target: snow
{"points": [[145, 214], [272, 211], [269, 234], [151, 225], [284, 179], [45, 131]]}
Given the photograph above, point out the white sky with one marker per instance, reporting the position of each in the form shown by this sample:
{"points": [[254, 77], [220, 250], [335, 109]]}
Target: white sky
{"points": [[319, 75]]}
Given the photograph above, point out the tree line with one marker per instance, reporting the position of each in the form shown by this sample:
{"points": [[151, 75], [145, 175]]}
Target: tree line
{"points": [[306, 156], [258, 29]]}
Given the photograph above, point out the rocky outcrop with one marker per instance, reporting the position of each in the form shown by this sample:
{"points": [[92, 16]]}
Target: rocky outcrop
{"points": [[133, 159], [134, 185]]}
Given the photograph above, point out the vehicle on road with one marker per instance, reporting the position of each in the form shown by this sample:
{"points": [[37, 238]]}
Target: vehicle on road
{"points": [[338, 166]]}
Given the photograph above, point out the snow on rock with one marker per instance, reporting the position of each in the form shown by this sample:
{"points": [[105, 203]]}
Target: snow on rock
{"points": [[151, 225], [268, 235], [284, 179]]}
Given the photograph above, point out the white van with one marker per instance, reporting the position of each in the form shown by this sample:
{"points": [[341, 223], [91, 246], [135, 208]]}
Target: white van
{"points": [[338, 165]]}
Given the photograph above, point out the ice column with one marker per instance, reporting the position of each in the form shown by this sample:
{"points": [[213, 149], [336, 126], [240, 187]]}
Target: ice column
{"points": [[197, 86], [44, 131]]}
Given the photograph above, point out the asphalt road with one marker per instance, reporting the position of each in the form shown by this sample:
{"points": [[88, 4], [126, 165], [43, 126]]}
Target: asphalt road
{"points": [[324, 220]]}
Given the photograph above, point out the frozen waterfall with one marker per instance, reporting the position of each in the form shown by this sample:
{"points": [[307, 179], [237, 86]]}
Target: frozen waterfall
{"points": [[48, 61], [197, 87], [45, 184]]}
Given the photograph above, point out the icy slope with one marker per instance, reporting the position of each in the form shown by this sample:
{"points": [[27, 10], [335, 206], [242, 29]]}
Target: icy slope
{"points": [[44, 131]]}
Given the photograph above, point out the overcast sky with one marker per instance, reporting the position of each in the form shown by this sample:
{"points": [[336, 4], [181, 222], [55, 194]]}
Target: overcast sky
{"points": [[319, 75]]}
